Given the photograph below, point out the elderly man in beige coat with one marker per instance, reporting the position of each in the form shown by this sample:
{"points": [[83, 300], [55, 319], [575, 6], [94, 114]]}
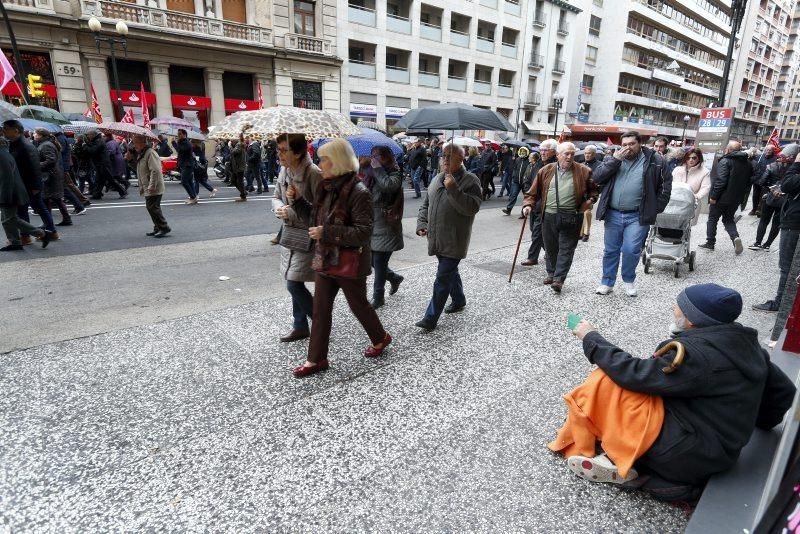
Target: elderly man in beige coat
{"points": [[151, 183]]}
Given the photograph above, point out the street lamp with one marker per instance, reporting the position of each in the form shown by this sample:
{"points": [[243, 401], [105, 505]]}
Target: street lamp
{"points": [[759, 133], [686, 119], [122, 30], [557, 101]]}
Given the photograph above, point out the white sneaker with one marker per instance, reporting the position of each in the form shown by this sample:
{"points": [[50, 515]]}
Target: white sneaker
{"points": [[630, 289], [604, 290], [598, 469]]}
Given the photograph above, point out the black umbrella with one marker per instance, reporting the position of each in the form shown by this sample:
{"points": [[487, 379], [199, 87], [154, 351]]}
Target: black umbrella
{"points": [[515, 143], [454, 117], [424, 133]]}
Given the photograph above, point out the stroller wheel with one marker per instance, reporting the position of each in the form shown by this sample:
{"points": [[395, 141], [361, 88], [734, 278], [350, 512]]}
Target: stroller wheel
{"points": [[677, 270], [692, 256], [647, 264]]}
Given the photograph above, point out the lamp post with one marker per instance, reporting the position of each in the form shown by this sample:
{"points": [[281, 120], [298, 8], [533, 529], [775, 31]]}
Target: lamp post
{"points": [[122, 30], [558, 100], [738, 8], [759, 133], [686, 119]]}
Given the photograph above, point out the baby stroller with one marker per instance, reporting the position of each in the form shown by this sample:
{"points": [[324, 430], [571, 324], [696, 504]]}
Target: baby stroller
{"points": [[670, 238]]}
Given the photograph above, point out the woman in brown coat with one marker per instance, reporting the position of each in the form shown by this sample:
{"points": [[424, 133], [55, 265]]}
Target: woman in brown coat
{"points": [[342, 222]]}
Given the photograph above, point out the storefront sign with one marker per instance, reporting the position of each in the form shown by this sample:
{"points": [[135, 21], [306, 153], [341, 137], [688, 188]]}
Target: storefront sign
{"points": [[65, 69], [714, 128], [583, 117], [191, 102], [12, 89], [235, 104], [363, 110], [395, 113], [609, 129], [133, 98]]}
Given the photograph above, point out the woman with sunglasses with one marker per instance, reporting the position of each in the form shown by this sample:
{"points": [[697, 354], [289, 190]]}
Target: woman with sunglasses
{"points": [[693, 173]]}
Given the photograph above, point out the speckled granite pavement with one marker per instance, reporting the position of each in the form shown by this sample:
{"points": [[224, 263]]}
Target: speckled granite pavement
{"points": [[196, 424]]}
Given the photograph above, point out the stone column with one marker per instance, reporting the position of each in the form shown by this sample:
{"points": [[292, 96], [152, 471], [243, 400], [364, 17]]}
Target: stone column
{"points": [[267, 89], [98, 76], [71, 89], [159, 84], [216, 92]]}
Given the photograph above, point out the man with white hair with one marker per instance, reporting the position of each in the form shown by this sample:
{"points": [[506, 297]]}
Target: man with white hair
{"points": [[563, 190], [590, 157], [445, 218], [547, 153]]}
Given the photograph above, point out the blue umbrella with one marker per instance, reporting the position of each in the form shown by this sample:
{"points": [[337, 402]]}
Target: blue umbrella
{"points": [[31, 124], [364, 143]]}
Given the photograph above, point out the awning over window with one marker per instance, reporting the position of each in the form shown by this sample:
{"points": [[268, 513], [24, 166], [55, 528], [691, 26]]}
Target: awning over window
{"points": [[538, 127], [610, 129]]}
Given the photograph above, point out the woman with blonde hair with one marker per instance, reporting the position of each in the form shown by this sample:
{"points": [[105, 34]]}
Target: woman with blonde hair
{"points": [[341, 226]]}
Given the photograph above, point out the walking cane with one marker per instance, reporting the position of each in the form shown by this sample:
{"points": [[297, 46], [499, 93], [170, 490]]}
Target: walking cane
{"points": [[516, 253]]}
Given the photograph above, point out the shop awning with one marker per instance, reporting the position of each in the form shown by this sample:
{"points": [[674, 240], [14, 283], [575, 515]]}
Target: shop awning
{"points": [[538, 127], [612, 129], [133, 98]]}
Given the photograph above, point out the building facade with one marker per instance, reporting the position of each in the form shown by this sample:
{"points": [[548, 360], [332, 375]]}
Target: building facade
{"points": [[787, 103], [647, 65], [761, 55], [197, 59]]}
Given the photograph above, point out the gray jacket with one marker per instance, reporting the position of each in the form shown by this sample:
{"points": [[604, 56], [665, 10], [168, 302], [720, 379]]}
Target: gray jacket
{"points": [[52, 170], [296, 265], [386, 236], [448, 214]]}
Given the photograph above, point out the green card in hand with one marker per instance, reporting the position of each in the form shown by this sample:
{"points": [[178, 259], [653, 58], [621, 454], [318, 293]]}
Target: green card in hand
{"points": [[572, 321]]}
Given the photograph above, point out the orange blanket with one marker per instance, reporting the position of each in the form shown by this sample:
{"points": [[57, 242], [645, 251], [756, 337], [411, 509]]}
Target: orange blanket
{"points": [[625, 422]]}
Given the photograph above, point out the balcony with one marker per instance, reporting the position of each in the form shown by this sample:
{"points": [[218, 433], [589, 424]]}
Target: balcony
{"points": [[512, 8], [456, 83], [308, 44], [559, 67], [31, 5], [428, 79], [459, 38], [537, 61], [397, 74], [505, 91], [361, 15], [362, 69], [509, 50], [481, 87], [489, 3], [176, 23], [485, 45], [398, 24], [429, 31], [563, 28], [538, 20], [533, 99]]}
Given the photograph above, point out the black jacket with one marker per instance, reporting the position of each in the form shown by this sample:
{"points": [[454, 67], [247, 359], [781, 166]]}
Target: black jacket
{"points": [[185, 154], [730, 179], [772, 175], [518, 171], [655, 193], [163, 149], [725, 388], [593, 164], [760, 164], [27, 158], [533, 170], [417, 157], [12, 190], [97, 151], [790, 216], [486, 162], [254, 154], [507, 161]]}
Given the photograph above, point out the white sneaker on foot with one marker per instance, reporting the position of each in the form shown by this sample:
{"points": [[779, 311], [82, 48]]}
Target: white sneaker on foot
{"points": [[213, 194], [630, 289], [604, 290], [737, 245], [599, 469]]}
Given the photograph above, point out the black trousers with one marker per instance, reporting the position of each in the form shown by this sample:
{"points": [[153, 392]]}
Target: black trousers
{"points": [[238, 182], [758, 191], [726, 212], [103, 178], [535, 223], [560, 246], [768, 213], [153, 205]]}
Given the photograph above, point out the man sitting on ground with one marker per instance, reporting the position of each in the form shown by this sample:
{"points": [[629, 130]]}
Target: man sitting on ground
{"points": [[665, 426]]}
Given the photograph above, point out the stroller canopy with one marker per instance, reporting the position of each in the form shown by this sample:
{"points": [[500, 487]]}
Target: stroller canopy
{"points": [[680, 211]]}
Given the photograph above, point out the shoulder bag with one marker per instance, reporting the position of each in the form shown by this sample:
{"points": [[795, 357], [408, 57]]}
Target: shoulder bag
{"points": [[394, 213], [565, 220]]}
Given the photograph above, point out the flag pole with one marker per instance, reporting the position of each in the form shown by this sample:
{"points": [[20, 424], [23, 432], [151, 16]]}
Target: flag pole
{"points": [[20, 70]]}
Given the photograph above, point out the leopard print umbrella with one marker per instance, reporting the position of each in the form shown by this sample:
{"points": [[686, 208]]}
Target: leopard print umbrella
{"points": [[271, 122]]}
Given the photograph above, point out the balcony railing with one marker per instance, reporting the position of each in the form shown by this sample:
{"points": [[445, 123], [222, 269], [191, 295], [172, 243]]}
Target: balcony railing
{"points": [[481, 87], [361, 15], [311, 45], [459, 38], [512, 7], [537, 61], [559, 67], [505, 90], [509, 50], [489, 3], [485, 45], [398, 24], [563, 28], [538, 20], [429, 79], [362, 69], [174, 21], [456, 83], [533, 99], [397, 74], [429, 31]]}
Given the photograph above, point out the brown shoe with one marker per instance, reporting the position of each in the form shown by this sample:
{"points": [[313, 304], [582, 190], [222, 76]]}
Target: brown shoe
{"points": [[53, 237], [547, 281], [556, 286], [26, 240], [295, 335], [528, 263]]}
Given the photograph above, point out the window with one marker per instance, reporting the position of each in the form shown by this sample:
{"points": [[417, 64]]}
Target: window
{"points": [[588, 81], [594, 25], [304, 17], [307, 94], [591, 55]]}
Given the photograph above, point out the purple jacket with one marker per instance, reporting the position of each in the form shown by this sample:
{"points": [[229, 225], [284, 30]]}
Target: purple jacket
{"points": [[117, 160]]}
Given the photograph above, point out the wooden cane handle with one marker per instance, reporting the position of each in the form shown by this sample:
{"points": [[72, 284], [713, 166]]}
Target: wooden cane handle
{"points": [[680, 353]]}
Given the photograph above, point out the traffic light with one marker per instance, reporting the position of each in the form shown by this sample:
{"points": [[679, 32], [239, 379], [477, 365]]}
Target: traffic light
{"points": [[35, 86]]}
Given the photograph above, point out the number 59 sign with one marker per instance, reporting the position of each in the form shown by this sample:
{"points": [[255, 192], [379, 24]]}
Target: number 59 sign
{"points": [[64, 69]]}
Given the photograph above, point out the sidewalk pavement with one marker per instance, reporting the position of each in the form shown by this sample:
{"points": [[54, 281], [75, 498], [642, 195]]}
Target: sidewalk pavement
{"points": [[196, 423]]}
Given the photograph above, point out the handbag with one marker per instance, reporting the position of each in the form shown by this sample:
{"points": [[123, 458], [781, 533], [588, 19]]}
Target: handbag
{"points": [[295, 238], [394, 213], [565, 220], [348, 266]]}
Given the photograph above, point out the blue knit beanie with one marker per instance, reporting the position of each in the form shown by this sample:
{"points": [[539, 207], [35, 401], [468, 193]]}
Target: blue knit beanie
{"points": [[710, 304]]}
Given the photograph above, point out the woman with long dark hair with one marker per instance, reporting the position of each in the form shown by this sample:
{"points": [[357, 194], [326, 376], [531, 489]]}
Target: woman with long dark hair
{"points": [[695, 175]]}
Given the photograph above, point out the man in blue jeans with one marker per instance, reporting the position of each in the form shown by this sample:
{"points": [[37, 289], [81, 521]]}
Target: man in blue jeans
{"points": [[635, 188], [445, 218], [417, 161]]}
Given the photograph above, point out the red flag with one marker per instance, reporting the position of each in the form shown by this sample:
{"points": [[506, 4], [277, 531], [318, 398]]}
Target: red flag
{"points": [[561, 137], [145, 109], [128, 117], [774, 139], [98, 117], [609, 141], [88, 113], [260, 97], [8, 71]]}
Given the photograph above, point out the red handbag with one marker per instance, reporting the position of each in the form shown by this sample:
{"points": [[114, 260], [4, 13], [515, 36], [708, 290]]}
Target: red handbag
{"points": [[349, 263]]}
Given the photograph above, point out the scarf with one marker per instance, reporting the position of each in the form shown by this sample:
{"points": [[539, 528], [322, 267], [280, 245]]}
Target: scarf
{"points": [[331, 207]]}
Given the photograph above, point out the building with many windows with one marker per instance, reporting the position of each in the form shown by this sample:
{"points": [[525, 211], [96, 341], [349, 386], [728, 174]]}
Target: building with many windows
{"points": [[198, 59], [787, 102], [648, 65]]}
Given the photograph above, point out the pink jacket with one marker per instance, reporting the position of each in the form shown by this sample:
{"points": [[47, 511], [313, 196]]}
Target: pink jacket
{"points": [[698, 178]]}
